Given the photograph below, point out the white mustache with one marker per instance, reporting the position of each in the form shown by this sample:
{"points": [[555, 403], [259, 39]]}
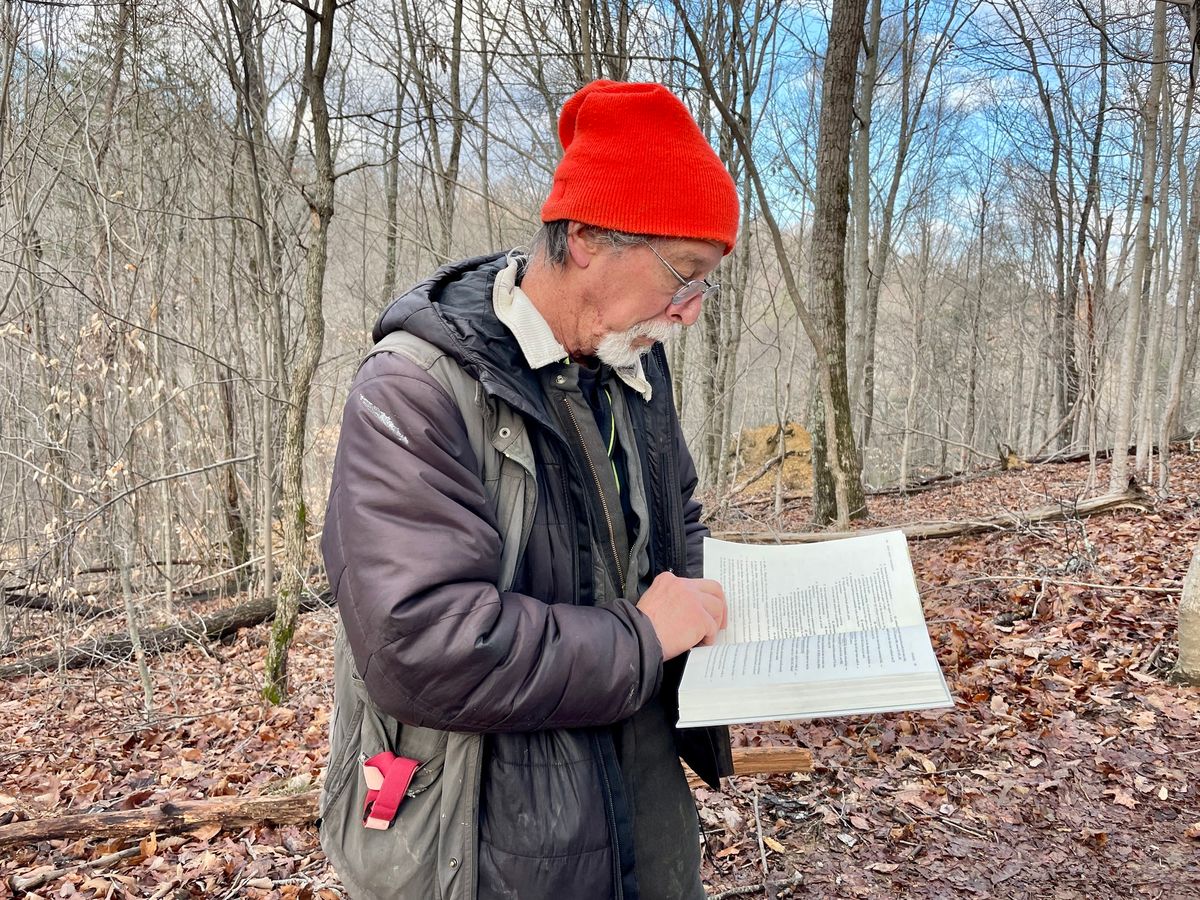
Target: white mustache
{"points": [[618, 351]]}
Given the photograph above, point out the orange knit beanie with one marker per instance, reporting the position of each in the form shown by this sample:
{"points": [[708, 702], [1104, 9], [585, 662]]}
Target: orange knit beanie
{"points": [[634, 160]]}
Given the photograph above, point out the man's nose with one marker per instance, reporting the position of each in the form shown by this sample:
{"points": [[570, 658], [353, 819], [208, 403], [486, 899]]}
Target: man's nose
{"points": [[685, 313]]}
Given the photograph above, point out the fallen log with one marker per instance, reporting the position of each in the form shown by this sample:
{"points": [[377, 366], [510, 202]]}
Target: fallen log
{"points": [[1069, 454], [1133, 497], [920, 486], [167, 818], [1009, 461], [933, 482], [290, 809], [110, 647], [43, 603], [762, 470]]}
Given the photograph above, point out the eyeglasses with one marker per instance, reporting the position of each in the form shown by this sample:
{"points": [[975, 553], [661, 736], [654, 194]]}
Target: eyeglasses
{"points": [[688, 290]]}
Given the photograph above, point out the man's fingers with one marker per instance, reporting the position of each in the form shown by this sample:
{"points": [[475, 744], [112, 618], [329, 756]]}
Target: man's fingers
{"points": [[686, 612], [709, 586], [712, 626], [715, 607]]}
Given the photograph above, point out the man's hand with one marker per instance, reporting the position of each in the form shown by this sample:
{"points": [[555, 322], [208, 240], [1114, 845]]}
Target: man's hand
{"points": [[684, 611]]}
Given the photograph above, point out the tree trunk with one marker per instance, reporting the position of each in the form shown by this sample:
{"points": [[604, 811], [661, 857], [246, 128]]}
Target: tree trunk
{"points": [[1189, 229], [318, 48], [860, 205], [235, 522], [912, 103], [1062, 340], [1188, 667], [135, 637], [391, 192], [1127, 377], [917, 301], [837, 470], [783, 253], [1158, 297], [735, 77], [973, 350], [1086, 372]]}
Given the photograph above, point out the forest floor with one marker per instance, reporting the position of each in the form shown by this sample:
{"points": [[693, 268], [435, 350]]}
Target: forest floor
{"points": [[1068, 768]]}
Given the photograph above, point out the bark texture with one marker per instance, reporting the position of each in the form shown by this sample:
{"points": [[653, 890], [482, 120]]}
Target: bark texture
{"points": [[1188, 667], [836, 466]]}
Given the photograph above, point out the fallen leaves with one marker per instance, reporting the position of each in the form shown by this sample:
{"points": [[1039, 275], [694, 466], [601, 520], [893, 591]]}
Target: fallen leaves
{"points": [[1067, 768], [190, 751], [1067, 739]]}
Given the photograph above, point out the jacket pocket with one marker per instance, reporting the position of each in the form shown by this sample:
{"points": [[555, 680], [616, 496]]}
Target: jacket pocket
{"points": [[542, 796], [343, 753], [359, 731], [404, 860], [380, 732]]}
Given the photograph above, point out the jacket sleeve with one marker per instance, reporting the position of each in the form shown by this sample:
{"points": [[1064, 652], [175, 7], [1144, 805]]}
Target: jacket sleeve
{"points": [[412, 551]]}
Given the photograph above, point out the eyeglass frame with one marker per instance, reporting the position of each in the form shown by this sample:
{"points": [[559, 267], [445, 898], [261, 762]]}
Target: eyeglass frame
{"points": [[686, 290]]}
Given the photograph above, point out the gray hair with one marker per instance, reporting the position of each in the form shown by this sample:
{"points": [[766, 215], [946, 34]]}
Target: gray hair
{"points": [[550, 241]]}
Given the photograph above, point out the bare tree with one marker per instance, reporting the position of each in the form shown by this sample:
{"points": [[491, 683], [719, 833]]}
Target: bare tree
{"points": [[1189, 228], [837, 469], [1188, 666], [318, 47], [1135, 291]]}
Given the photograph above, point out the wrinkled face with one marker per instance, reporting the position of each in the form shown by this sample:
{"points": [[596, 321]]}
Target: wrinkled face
{"points": [[629, 292]]}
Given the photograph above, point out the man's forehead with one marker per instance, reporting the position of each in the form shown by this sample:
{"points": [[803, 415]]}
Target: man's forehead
{"points": [[693, 253]]}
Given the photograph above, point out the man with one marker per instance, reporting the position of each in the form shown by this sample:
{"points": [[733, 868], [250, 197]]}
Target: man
{"points": [[514, 546]]}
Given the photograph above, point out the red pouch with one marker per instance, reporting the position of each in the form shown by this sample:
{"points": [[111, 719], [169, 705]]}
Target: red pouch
{"points": [[388, 777]]}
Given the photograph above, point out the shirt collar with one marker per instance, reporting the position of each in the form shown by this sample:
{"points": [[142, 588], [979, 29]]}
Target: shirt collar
{"points": [[534, 336]]}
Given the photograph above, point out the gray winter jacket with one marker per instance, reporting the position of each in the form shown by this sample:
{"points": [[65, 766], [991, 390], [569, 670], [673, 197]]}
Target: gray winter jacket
{"points": [[490, 627]]}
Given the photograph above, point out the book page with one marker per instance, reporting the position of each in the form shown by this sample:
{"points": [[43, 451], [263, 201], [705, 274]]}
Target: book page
{"points": [[831, 628], [816, 657], [857, 584]]}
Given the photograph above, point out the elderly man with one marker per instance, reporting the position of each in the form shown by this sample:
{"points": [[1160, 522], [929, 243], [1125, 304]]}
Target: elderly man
{"points": [[513, 543]]}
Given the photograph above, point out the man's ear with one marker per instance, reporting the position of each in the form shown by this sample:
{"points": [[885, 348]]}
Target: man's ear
{"points": [[582, 245]]}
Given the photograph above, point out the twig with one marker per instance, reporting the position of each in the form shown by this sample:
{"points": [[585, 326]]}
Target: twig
{"points": [[35, 881], [1152, 659], [961, 827], [750, 889], [178, 719], [1083, 584], [762, 850]]}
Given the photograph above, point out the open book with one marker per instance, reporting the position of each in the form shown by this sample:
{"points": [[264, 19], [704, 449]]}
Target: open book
{"points": [[827, 629]]}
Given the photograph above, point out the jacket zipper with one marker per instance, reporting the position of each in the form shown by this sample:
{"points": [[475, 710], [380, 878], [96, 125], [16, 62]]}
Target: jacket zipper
{"points": [[618, 876], [675, 519], [597, 749], [612, 536]]}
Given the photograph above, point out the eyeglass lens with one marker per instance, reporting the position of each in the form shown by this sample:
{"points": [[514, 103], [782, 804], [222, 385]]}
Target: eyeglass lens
{"points": [[694, 289]]}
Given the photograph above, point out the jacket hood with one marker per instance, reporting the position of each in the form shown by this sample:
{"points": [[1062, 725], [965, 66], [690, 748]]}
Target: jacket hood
{"points": [[452, 309]]}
